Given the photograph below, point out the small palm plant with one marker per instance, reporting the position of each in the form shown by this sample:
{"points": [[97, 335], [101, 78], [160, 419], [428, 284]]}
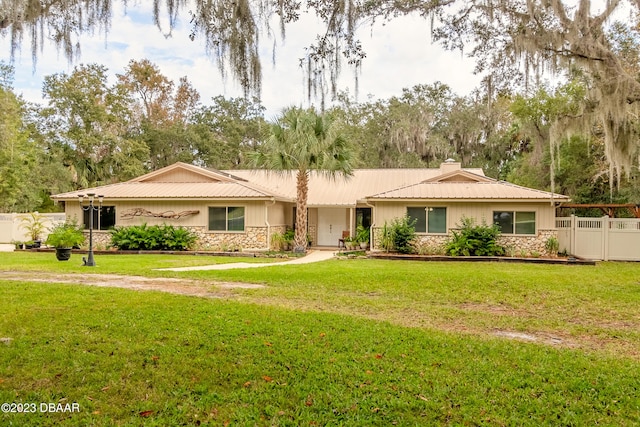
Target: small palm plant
{"points": [[34, 225]]}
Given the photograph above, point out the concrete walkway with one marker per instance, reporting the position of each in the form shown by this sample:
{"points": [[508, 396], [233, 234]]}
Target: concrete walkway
{"points": [[312, 256], [7, 247]]}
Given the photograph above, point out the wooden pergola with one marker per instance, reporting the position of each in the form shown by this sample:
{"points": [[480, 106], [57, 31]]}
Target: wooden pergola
{"points": [[607, 208]]}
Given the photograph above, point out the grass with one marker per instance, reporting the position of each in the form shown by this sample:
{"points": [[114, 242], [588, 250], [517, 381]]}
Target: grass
{"points": [[595, 308], [349, 342], [115, 264]]}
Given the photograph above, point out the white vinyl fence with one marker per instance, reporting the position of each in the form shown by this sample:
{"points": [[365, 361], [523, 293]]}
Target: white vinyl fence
{"points": [[606, 239], [12, 226]]}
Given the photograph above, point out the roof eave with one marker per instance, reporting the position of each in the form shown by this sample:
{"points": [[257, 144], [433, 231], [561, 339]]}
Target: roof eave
{"points": [[173, 199], [464, 199]]}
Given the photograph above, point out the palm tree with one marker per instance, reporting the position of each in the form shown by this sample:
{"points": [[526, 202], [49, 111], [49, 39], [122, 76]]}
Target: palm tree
{"points": [[302, 141]]}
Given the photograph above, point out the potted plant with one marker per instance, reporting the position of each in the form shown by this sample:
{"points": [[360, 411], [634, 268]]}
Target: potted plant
{"points": [[65, 237], [362, 235], [34, 225], [349, 243]]}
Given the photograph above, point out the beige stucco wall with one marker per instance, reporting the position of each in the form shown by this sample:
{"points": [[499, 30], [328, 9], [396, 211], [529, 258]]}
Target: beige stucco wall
{"points": [[181, 175], [517, 245], [262, 219], [276, 213], [254, 212], [545, 212]]}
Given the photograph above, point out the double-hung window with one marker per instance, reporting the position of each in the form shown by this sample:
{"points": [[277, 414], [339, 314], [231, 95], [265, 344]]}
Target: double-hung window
{"points": [[228, 218], [428, 219], [511, 222]]}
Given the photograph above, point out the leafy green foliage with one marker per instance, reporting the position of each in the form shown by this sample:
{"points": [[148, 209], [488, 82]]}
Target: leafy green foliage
{"points": [[91, 118], [229, 130], [33, 224], [66, 235], [155, 237], [399, 235], [552, 245], [362, 234], [18, 156], [474, 240]]}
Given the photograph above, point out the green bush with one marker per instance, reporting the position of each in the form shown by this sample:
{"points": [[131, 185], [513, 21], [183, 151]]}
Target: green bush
{"points": [[66, 235], [399, 236], [153, 238], [474, 240], [552, 245], [362, 234]]}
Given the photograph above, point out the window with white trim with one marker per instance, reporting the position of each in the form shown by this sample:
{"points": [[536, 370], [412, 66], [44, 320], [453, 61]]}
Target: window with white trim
{"points": [[227, 218]]}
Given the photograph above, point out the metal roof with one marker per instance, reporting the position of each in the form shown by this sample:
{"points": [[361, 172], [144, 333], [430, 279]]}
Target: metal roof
{"points": [[481, 190], [179, 190], [449, 182], [340, 191]]}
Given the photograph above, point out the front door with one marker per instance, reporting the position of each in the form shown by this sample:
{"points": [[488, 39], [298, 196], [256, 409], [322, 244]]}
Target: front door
{"points": [[331, 223]]}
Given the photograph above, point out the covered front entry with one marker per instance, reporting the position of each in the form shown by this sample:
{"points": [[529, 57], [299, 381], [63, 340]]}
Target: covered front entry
{"points": [[331, 223]]}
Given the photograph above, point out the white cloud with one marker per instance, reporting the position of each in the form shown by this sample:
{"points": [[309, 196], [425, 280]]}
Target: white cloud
{"points": [[399, 55]]}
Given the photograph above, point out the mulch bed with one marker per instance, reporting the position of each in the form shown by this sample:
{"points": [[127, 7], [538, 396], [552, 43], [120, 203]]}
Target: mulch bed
{"points": [[561, 261]]}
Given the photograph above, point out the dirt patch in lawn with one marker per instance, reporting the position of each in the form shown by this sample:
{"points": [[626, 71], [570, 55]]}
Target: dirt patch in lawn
{"points": [[205, 289], [609, 343]]}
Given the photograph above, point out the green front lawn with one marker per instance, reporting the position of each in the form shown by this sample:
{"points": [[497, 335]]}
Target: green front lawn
{"points": [[349, 342], [114, 264]]}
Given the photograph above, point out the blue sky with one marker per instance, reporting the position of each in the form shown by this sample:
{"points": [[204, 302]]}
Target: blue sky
{"points": [[399, 55]]}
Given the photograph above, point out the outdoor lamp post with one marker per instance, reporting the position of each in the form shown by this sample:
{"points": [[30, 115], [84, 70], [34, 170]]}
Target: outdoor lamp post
{"points": [[91, 208]]}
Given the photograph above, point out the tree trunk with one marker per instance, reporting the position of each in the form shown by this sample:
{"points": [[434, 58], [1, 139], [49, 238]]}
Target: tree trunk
{"points": [[302, 190]]}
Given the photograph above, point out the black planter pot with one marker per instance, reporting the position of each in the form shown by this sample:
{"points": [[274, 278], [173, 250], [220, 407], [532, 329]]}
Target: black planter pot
{"points": [[63, 254]]}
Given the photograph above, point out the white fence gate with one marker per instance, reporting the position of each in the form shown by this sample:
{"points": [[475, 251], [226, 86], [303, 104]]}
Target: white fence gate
{"points": [[607, 239], [12, 230]]}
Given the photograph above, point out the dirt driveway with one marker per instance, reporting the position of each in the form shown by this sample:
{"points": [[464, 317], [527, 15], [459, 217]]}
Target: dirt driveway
{"points": [[196, 288]]}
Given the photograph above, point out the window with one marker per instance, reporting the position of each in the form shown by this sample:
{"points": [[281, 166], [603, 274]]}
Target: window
{"points": [[363, 217], [515, 222], [429, 219], [226, 219], [103, 219]]}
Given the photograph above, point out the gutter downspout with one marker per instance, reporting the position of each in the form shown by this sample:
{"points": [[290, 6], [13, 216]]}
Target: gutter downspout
{"points": [[266, 220], [352, 215]]}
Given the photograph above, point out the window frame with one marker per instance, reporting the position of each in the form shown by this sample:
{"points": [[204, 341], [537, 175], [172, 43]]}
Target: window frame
{"points": [[227, 219], [107, 212], [515, 225], [427, 224]]}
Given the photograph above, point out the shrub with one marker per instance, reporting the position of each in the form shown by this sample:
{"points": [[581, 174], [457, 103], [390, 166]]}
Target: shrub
{"points": [[362, 234], [277, 242], [66, 235], [399, 236], [474, 240], [289, 235], [552, 245], [155, 237]]}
